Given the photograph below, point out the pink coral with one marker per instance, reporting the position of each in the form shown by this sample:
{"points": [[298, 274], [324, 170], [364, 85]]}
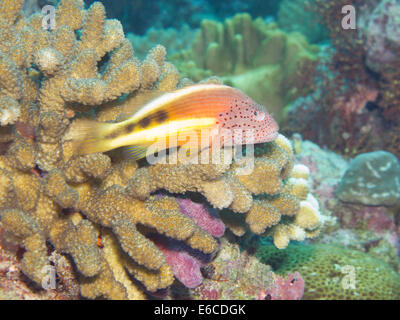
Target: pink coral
{"points": [[357, 101], [203, 216], [291, 288], [372, 218], [185, 268], [185, 261]]}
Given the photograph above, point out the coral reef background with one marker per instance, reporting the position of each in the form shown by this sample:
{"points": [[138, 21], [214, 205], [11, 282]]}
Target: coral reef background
{"points": [[355, 102], [138, 16]]}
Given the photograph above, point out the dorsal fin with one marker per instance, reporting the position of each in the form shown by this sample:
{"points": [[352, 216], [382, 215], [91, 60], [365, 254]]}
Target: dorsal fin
{"points": [[134, 103], [195, 101]]}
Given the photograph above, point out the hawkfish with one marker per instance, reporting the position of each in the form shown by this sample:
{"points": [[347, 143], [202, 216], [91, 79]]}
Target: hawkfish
{"points": [[201, 109]]}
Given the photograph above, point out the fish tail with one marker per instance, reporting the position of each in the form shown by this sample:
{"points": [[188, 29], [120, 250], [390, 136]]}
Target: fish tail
{"points": [[89, 136]]}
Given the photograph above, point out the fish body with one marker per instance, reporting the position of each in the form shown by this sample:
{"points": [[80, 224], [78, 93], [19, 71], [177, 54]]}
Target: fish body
{"points": [[202, 109]]}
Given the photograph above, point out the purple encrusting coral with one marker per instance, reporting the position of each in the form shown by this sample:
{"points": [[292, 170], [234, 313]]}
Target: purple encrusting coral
{"points": [[289, 288], [184, 261], [185, 266], [206, 218]]}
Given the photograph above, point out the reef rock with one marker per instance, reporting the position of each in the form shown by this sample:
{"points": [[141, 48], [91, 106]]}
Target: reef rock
{"points": [[372, 179]]}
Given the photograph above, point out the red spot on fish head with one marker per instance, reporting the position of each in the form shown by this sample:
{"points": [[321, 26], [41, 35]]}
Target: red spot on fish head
{"points": [[249, 122], [268, 127]]}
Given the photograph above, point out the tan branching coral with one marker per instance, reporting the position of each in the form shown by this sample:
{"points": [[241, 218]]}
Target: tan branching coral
{"points": [[43, 181], [273, 199], [17, 90]]}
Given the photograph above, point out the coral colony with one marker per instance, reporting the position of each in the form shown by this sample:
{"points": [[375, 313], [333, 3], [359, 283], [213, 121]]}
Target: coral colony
{"points": [[82, 216]]}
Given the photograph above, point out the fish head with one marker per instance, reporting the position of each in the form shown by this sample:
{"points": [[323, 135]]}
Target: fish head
{"points": [[266, 128], [248, 122]]}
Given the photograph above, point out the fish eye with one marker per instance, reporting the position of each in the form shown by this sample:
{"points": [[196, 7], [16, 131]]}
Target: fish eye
{"points": [[259, 116]]}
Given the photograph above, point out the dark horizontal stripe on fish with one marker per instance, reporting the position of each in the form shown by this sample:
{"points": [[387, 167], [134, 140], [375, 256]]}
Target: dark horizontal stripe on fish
{"points": [[144, 122], [129, 128], [113, 135], [161, 116]]}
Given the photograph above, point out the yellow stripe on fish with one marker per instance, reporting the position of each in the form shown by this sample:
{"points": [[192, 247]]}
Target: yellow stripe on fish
{"points": [[166, 130]]}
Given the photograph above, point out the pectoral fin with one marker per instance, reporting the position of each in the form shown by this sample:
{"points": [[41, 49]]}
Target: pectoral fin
{"points": [[135, 152]]}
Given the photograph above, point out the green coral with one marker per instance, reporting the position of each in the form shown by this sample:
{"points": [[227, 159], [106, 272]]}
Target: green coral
{"points": [[322, 268], [258, 58]]}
